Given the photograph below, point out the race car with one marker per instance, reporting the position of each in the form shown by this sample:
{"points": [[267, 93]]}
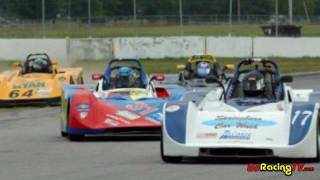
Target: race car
{"points": [[124, 102], [192, 76], [257, 115], [37, 81], [198, 67]]}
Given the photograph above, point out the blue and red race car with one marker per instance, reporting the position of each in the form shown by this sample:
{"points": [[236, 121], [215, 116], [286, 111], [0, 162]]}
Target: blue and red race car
{"points": [[123, 102]]}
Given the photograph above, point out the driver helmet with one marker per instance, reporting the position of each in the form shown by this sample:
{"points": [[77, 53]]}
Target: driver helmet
{"points": [[253, 84], [125, 78], [39, 65], [203, 69]]}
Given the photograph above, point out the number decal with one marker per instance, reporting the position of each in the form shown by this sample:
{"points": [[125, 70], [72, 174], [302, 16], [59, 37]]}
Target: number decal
{"points": [[14, 94], [17, 93], [28, 93], [305, 114]]}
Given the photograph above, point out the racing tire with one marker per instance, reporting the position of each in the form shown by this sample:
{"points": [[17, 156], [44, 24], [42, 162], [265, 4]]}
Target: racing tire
{"points": [[71, 81], [180, 77], [64, 134], [168, 159], [76, 137], [81, 80]]}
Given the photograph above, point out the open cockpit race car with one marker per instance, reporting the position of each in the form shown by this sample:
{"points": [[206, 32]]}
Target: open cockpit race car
{"points": [[257, 115], [124, 102], [192, 76], [37, 81], [198, 67]]}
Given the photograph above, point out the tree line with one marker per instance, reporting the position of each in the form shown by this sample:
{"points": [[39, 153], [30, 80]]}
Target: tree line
{"points": [[32, 9]]}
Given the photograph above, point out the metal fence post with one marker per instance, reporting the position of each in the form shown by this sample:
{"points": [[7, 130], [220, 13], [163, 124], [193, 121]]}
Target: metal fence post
{"points": [[135, 17], [43, 18], [181, 18], [230, 17]]}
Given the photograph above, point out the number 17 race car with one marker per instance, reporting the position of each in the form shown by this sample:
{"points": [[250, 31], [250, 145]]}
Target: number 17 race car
{"points": [[124, 102], [255, 115]]}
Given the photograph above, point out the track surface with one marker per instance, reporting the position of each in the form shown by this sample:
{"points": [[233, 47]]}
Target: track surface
{"points": [[31, 148]]}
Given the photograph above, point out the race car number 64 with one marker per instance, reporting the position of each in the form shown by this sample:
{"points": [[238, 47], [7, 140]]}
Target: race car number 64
{"points": [[305, 114], [17, 93]]}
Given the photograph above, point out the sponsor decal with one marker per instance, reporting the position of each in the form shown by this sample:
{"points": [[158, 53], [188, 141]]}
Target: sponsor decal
{"points": [[111, 122], [83, 115], [286, 169], [117, 118], [28, 85], [83, 107], [206, 135], [172, 108], [238, 122], [234, 135], [127, 114], [44, 91]]}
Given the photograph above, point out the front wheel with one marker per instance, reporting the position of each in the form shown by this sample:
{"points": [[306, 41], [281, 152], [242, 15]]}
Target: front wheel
{"points": [[75, 137], [64, 134], [168, 159], [81, 80]]}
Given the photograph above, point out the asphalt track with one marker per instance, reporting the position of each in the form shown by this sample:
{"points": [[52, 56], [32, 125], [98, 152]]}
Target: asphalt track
{"points": [[31, 149]]}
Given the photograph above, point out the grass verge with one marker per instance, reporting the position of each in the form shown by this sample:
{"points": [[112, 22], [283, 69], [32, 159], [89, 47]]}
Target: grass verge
{"points": [[62, 30]]}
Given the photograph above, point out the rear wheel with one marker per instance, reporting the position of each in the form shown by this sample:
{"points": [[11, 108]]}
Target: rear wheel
{"points": [[168, 159]]}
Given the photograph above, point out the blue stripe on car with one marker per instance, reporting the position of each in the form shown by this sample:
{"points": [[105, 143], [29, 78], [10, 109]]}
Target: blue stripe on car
{"points": [[301, 118], [176, 122]]}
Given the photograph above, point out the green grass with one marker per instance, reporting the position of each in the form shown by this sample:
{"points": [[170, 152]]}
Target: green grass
{"points": [[5, 65], [80, 31], [168, 65]]}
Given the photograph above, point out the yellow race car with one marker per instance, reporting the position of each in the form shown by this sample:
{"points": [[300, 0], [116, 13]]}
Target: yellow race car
{"points": [[37, 81], [200, 67]]}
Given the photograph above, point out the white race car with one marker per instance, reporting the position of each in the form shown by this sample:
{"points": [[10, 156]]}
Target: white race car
{"points": [[256, 115]]}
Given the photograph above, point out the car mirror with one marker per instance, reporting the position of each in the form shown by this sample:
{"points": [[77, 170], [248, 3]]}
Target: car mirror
{"points": [[16, 65], [229, 67], [97, 77], [286, 79], [158, 77], [181, 67], [161, 92], [55, 63]]}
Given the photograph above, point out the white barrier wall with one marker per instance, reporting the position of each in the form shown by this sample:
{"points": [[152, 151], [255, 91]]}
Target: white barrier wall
{"points": [[96, 49], [158, 47], [287, 47], [229, 46], [18, 49]]}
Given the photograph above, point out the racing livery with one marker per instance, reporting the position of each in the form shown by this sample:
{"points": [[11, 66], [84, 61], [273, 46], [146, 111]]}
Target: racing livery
{"points": [[37, 81], [124, 102], [256, 115]]}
